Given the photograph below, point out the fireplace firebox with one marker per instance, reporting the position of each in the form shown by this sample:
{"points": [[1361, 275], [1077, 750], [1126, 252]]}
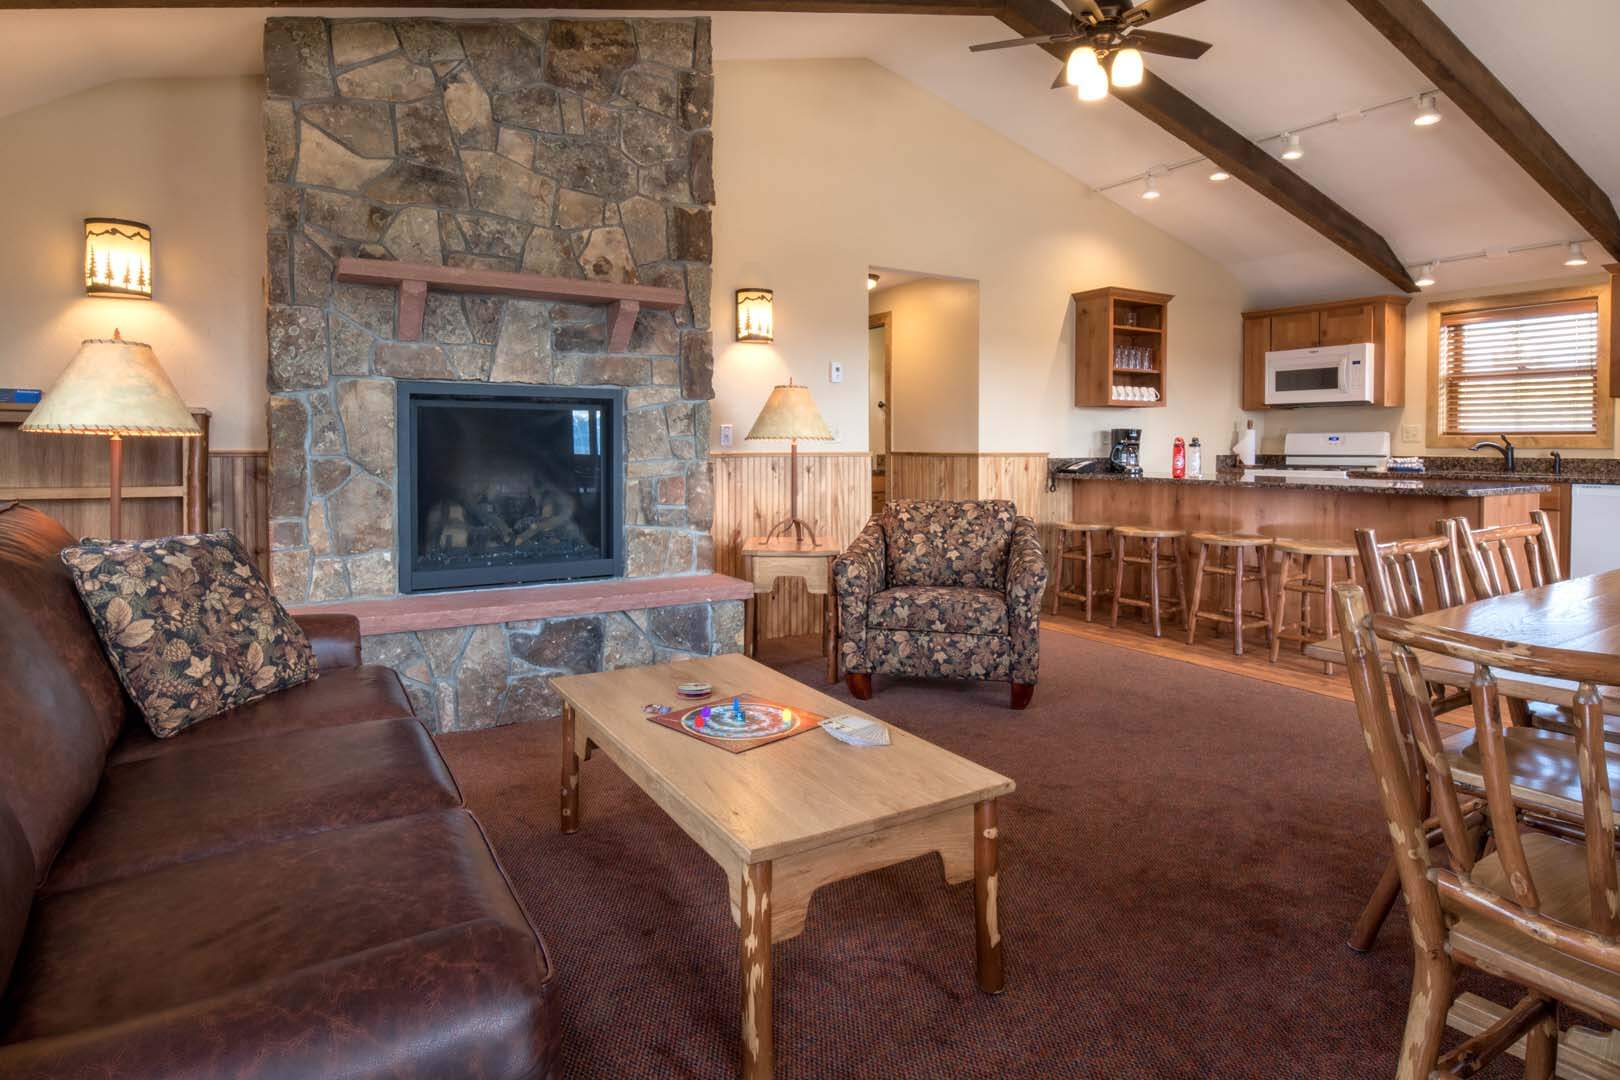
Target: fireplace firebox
{"points": [[500, 485]]}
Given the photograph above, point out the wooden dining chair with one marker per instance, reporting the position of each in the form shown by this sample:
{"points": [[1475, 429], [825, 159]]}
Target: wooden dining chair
{"points": [[1486, 555], [1542, 908], [1394, 571]]}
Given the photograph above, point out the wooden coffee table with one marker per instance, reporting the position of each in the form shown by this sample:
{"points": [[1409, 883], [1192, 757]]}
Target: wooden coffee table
{"points": [[786, 818]]}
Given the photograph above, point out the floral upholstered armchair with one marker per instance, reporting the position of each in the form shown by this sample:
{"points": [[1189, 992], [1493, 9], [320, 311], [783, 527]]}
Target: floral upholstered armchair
{"points": [[943, 589]]}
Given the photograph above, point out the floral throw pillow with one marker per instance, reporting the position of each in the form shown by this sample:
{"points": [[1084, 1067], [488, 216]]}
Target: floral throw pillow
{"points": [[190, 626]]}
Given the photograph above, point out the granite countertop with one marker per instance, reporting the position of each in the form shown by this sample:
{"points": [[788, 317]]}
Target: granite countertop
{"points": [[1441, 487]]}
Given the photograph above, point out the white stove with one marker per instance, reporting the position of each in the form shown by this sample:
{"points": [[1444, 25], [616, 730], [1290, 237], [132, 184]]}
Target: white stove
{"points": [[1329, 455]]}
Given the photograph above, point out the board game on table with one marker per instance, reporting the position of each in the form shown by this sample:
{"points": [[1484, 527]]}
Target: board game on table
{"points": [[791, 816]]}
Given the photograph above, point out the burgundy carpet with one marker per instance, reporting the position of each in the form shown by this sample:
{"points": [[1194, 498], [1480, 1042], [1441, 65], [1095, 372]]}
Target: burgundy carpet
{"points": [[1180, 867]]}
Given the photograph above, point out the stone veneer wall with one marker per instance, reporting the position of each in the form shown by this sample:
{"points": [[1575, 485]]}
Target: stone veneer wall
{"points": [[574, 148]]}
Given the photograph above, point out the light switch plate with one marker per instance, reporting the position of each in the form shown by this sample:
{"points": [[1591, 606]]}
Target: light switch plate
{"points": [[725, 436], [835, 372], [1411, 433]]}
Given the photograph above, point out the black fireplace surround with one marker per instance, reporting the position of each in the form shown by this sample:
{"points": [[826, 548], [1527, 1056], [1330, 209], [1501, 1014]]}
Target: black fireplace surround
{"points": [[506, 484]]}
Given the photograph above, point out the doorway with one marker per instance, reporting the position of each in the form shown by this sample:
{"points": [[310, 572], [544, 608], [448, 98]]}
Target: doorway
{"points": [[879, 360]]}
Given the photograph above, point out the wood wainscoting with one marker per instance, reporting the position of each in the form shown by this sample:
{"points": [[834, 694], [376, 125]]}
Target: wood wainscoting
{"points": [[751, 494], [239, 499]]}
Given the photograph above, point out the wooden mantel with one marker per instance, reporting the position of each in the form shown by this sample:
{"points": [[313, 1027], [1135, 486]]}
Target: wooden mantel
{"points": [[414, 280]]}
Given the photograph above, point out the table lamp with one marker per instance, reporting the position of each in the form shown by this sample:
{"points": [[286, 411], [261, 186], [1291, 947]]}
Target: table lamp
{"points": [[115, 388], [790, 413]]}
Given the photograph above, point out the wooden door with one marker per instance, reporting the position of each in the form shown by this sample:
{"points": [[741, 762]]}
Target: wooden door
{"points": [[1347, 325], [1296, 330]]}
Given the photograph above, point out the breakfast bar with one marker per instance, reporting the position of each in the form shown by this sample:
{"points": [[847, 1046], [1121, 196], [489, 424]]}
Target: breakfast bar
{"points": [[1328, 509]]}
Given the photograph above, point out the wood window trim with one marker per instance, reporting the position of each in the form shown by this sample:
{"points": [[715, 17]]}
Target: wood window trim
{"points": [[1602, 440]]}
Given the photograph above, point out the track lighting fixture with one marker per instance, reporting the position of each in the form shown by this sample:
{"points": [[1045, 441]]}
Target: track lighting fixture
{"points": [[1427, 111], [1150, 189], [1577, 256], [1293, 149], [1425, 276], [1220, 175]]}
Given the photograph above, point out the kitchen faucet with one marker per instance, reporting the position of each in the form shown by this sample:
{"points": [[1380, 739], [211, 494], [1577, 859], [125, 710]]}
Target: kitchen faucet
{"points": [[1505, 448]]}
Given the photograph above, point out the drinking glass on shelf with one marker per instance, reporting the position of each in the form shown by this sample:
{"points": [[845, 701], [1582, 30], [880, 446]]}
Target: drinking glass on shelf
{"points": [[1128, 316]]}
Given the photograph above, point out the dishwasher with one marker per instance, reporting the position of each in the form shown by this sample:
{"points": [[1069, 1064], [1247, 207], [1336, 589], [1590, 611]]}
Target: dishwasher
{"points": [[1594, 528]]}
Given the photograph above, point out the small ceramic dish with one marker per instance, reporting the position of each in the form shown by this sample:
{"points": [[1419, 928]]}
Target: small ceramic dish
{"points": [[694, 689]]}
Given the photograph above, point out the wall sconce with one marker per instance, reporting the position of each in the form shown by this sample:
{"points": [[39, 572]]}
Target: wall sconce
{"points": [[755, 320], [117, 258]]}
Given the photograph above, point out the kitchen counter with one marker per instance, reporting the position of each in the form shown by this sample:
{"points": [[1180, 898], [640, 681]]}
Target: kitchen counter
{"points": [[1443, 487], [1230, 500]]}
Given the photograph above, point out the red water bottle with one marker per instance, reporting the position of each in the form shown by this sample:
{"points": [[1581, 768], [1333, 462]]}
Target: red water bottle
{"points": [[1178, 460]]}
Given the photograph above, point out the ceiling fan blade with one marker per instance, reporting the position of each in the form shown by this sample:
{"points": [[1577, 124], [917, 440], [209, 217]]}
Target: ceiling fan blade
{"points": [[1012, 43], [1083, 8], [1151, 41], [1062, 79], [1149, 10]]}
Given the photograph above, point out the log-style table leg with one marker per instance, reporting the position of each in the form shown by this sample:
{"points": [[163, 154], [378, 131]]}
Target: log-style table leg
{"points": [[831, 617], [750, 610], [570, 772], [986, 881], [758, 1045]]}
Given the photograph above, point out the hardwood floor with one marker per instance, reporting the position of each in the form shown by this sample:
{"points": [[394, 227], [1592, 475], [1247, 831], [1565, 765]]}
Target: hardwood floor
{"points": [[1213, 650]]}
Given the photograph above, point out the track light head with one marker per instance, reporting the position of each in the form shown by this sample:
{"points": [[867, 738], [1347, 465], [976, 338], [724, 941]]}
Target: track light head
{"points": [[1577, 254], [1220, 175], [1150, 189], [1426, 111], [1425, 276], [1293, 148]]}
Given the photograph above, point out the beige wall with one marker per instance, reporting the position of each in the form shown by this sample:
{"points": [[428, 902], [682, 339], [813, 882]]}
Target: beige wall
{"points": [[934, 386], [186, 157], [1413, 416], [827, 167]]}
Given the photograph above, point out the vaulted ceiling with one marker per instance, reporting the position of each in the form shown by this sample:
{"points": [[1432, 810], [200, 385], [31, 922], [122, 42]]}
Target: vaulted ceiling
{"points": [[1433, 193]]}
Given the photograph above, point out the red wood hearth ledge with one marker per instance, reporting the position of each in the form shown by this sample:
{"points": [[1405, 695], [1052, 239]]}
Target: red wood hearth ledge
{"points": [[414, 280], [480, 607]]}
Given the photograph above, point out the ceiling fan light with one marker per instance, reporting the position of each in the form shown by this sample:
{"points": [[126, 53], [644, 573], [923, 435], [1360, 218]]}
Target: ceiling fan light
{"points": [[1427, 112], [871, 282], [1293, 149], [1093, 84], [1425, 276], [1126, 68], [1081, 60], [1220, 176], [1150, 189], [1577, 255]]}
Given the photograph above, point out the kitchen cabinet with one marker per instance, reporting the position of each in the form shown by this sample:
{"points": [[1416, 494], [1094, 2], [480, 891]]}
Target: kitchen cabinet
{"points": [[1376, 320], [1121, 348]]}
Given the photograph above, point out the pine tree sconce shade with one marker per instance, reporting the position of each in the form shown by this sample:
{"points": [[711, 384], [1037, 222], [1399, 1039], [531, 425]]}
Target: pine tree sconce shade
{"points": [[117, 258], [756, 321]]}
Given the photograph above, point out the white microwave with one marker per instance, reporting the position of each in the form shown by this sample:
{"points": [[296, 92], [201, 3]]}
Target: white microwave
{"points": [[1327, 375]]}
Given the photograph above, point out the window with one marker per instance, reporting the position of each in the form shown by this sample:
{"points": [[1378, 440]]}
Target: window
{"points": [[1533, 367]]}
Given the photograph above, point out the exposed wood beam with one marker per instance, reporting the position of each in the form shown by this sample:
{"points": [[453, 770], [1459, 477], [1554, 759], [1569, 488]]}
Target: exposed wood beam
{"points": [[826, 7], [1206, 133], [1428, 42]]}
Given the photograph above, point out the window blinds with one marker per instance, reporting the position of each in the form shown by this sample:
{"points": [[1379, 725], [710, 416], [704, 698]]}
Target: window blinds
{"points": [[1525, 369]]}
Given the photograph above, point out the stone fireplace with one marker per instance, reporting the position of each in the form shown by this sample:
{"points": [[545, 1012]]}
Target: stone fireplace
{"points": [[573, 148]]}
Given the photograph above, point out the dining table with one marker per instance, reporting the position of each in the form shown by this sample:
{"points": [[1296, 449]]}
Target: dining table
{"points": [[1583, 614]]}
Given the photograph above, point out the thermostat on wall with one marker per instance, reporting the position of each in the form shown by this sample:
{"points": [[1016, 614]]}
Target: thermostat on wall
{"points": [[725, 436], [835, 372]]}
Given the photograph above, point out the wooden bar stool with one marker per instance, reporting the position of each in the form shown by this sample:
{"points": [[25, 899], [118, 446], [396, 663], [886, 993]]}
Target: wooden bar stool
{"points": [[1292, 573], [1231, 562], [1153, 560], [1079, 560]]}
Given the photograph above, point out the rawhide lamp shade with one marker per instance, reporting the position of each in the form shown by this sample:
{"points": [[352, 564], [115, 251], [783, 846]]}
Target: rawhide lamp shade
{"points": [[117, 258], [790, 413], [115, 388]]}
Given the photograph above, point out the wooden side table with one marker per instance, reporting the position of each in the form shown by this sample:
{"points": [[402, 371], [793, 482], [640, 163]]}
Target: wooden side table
{"points": [[764, 561]]}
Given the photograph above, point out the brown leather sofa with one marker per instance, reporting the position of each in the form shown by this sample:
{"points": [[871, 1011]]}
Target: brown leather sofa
{"points": [[291, 889]]}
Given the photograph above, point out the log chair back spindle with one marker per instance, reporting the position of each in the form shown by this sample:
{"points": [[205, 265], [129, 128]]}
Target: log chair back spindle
{"points": [[1487, 555]]}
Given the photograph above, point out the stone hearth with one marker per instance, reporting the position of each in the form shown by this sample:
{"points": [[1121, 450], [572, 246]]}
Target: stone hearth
{"points": [[565, 147]]}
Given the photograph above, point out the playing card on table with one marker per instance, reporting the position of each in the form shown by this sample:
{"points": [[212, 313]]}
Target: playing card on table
{"points": [[856, 730]]}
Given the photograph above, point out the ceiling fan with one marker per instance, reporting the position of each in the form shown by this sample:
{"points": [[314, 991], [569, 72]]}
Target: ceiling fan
{"points": [[1100, 28]]}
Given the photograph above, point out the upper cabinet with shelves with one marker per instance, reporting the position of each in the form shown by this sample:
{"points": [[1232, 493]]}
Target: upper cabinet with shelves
{"points": [[1121, 348], [1379, 320]]}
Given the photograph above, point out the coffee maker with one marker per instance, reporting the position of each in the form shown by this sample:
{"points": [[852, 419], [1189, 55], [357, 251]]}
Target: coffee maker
{"points": [[1126, 455]]}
